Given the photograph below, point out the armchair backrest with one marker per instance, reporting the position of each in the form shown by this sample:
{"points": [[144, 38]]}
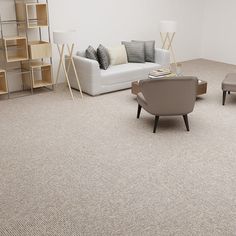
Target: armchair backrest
{"points": [[170, 96]]}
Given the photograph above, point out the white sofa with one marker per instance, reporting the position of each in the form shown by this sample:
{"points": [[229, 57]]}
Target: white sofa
{"points": [[95, 81]]}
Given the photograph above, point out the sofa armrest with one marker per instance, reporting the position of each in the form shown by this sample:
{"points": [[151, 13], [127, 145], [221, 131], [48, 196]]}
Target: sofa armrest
{"points": [[162, 57], [89, 75]]}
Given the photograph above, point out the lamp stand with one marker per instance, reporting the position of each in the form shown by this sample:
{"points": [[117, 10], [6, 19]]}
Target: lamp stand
{"points": [[167, 40], [61, 50]]}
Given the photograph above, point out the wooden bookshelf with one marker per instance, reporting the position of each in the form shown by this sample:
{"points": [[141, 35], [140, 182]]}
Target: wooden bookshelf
{"points": [[27, 55]]}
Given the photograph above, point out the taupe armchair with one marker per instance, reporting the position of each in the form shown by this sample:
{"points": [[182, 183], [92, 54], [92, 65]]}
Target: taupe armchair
{"points": [[168, 97]]}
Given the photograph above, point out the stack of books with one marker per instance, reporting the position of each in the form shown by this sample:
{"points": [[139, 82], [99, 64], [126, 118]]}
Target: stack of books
{"points": [[161, 73]]}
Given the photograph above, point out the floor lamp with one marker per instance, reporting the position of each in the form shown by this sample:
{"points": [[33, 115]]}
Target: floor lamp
{"points": [[167, 31], [66, 40]]}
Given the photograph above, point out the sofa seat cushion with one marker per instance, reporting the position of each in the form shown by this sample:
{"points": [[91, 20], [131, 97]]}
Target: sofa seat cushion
{"points": [[127, 73], [149, 66]]}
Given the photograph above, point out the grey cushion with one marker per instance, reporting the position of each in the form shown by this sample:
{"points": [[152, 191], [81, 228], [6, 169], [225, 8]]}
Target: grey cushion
{"points": [[135, 51], [149, 47], [103, 57], [91, 53]]}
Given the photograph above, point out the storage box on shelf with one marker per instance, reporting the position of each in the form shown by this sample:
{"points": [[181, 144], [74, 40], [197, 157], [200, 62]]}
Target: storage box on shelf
{"points": [[39, 49], [35, 14], [41, 74], [16, 49], [3, 82]]}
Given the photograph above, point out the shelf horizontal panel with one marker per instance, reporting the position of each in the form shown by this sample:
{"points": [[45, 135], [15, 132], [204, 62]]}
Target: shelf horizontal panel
{"points": [[17, 59], [18, 71], [36, 64], [6, 22], [41, 83], [3, 92]]}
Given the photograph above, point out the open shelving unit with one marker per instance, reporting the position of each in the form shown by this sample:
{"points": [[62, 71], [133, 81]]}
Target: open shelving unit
{"points": [[24, 55]]}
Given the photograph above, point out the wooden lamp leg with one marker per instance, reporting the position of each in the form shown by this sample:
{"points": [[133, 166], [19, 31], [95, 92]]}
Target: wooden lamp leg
{"points": [[70, 50], [71, 61], [170, 39], [61, 53], [164, 39], [67, 79], [62, 64], [66, 70], [167, 41]]}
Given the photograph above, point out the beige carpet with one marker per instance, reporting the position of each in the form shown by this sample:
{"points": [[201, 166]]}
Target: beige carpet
{"points": [[91, 168]]}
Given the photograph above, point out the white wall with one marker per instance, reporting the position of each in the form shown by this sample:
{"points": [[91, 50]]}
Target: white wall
{"points": [[219, 31], [111, 21]]}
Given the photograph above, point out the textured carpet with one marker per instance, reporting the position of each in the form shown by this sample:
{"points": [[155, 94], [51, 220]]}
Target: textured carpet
{"points": [[91, 168]]}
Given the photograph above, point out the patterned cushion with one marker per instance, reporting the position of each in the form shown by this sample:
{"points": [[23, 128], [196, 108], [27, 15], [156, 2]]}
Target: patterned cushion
{"points": [[149, 50], [103, 57], [135, 51], [91, 53]]}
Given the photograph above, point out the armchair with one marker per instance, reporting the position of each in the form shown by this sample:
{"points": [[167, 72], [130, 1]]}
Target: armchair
{"points": [[168, 97]]}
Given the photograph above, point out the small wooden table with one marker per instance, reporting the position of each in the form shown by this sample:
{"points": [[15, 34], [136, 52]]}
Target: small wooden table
{"points": [[201, 89]]}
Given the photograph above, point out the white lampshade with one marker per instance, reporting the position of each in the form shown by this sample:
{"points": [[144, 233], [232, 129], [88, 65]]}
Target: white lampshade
{"points": [[168, 26], [65, 37]]}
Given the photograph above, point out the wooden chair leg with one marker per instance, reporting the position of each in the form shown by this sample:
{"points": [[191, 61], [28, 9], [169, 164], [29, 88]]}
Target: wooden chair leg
{"points": [[186, 122], [155, 124], [139, 111], [224, 97]]}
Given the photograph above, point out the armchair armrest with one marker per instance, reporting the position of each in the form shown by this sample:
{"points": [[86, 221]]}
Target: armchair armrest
{"points": [[89, 75], [162, 57]]}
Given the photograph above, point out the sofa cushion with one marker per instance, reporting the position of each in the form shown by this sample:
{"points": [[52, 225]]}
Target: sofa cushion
{"points": [[135, 51], [127, 73], [103, 57], [149, 47], [91, 53], [81, 53], [118, 55]]}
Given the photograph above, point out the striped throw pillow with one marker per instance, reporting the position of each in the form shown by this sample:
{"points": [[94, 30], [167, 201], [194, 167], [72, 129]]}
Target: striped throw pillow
{"points": [[149, 47], [103, 57], [135, 51]]}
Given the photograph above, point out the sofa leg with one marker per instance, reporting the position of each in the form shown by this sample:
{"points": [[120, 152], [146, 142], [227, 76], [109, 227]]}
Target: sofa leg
{"points": [[229, 92], [139, 111], [224, 97], [186, 122], [155, 124]]}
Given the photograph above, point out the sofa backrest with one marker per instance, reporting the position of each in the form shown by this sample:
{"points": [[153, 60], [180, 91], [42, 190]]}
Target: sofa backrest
{"points": [[81, 53], [170, 96]]}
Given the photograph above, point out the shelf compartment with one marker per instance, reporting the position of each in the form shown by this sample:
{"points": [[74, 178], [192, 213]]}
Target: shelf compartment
{"points": [[39, 49], [16, 49], [3, 82], [36, 14], [41, 74]]}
